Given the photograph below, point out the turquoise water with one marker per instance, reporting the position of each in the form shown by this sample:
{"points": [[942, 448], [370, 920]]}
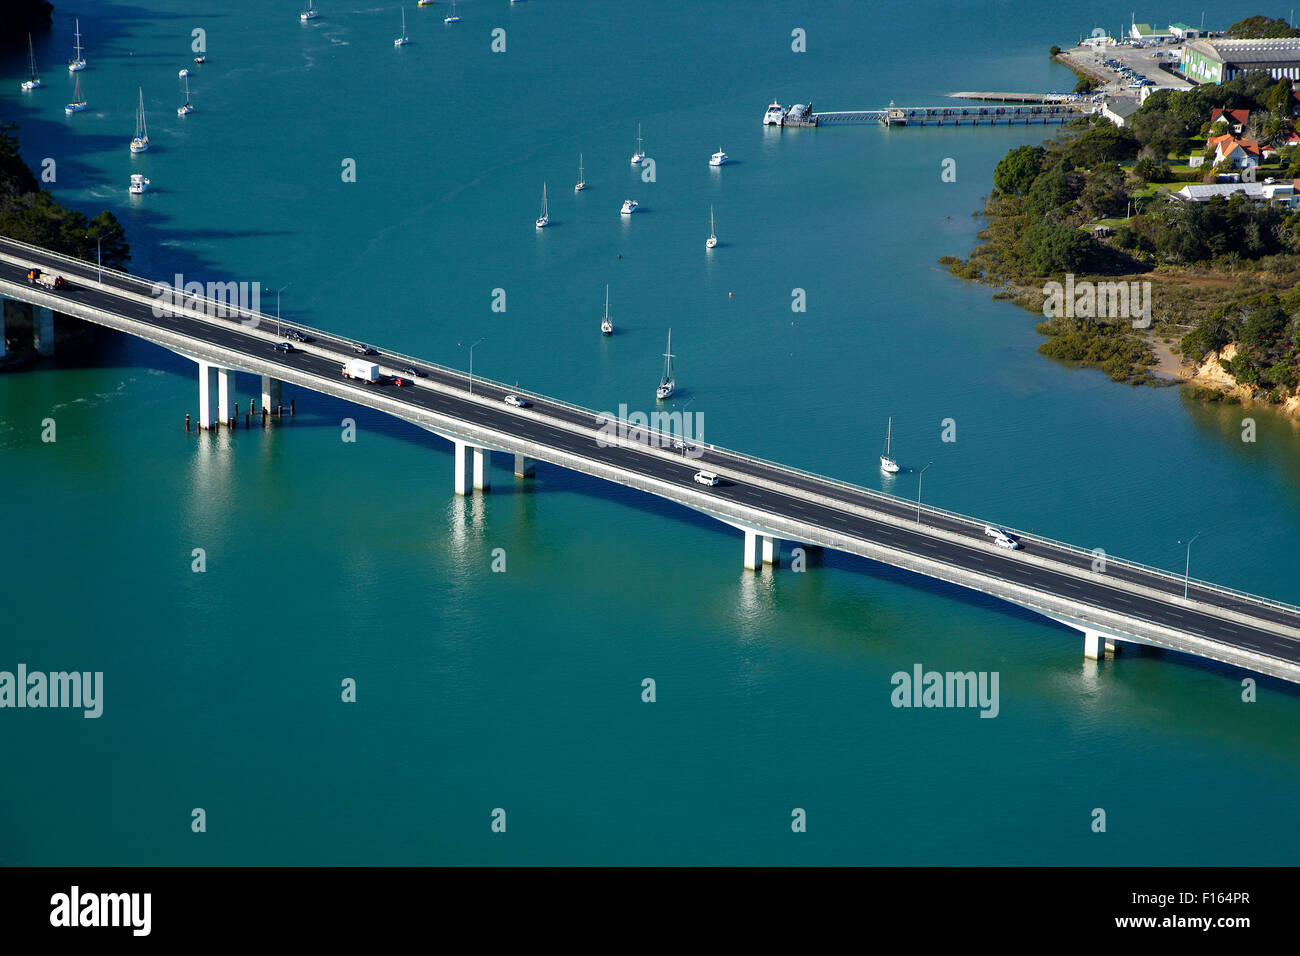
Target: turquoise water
{"points": [[521, 690]]}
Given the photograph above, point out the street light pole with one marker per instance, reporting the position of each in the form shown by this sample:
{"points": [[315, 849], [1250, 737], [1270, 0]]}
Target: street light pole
{"points": [[1187, 568], [471, 366], [99, 257], [919, 478]]}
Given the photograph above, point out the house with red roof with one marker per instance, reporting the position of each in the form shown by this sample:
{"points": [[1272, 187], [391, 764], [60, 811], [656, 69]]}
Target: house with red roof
{"points": [[1235, 120], [1240, 152]]}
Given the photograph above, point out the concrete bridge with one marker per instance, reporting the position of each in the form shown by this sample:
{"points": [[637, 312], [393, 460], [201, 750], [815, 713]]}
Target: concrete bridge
{"points": [[768, 503]]}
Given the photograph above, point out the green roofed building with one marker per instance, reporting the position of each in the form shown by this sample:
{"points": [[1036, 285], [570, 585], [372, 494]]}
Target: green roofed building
{"points": [[1217, 61], [1184, 32], [1145, 31]]}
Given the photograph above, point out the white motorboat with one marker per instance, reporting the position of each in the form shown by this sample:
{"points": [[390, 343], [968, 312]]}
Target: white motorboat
{"points": [[666, 383], [719, 158], [141, 142], [543, 220], [138, 184], [774, 116], [629, 207]]}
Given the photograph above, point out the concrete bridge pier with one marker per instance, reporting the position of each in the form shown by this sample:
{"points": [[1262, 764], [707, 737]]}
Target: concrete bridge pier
{"points": [[272, 393], [473, 471], [208, 390], [43, 329], [1098, 646], [524, 467], [761, 549], [225, 394]]}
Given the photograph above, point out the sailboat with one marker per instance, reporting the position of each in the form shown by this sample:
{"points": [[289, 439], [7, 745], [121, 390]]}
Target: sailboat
{"points": [[424, 3], [309, 13], [606, 326], [141, 142], [543, 220], [712, 241], [403, 39], [453, 18], [666, 384], [78, 61], [582, 183], [639, 156], [78, 101], [887, 464], [35, 81], [186, 109]]}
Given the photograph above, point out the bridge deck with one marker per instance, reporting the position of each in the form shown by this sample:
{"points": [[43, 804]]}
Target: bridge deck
{"points": [[1129, 600]]}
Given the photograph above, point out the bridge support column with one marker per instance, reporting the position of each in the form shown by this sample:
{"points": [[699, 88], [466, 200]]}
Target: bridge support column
{"points": [[772, 551], [524, 467], [753, 551], [272, 392], [1098, 646], [207, 392], [482, 469], [43, 329], [225, 394], [464, 473]]}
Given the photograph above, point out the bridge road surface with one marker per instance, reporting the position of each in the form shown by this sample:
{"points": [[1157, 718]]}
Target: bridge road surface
{"points": [[974, 553]]}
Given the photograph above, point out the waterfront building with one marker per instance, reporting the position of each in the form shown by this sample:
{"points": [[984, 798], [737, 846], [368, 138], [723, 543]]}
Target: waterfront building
{"points": [[1119, 110], [1217, 61]]}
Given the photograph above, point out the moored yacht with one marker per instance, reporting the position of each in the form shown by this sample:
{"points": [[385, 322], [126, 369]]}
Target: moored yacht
{"points": [[185, 109], [78, 103], [639, 156], [719, 158], [581, 184], [403, 39], [453, 18], [78, 61], [543, 220], [141, 142], [606, 326], [309, 13], [666, 383], [629, 207], [774, 115], [887, 463], [138, 184], [33, 82], [712, 241]]}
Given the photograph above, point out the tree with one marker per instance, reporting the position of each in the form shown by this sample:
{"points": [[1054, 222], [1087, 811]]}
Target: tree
{"points": [[1278, 100], [1017, 170], [1261, 27], [1052, 249]]}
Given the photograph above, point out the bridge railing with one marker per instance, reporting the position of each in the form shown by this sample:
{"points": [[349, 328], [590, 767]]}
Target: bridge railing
{"points": [[855, 490]]}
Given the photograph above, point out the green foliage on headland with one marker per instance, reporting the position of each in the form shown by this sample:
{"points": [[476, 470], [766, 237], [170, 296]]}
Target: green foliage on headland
{"points": [[1261, 28], [1223, 272], [30, 214]]}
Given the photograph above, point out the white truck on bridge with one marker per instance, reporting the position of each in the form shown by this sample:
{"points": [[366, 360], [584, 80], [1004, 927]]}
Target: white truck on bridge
{"points": [[361, 369], [47, 279]]}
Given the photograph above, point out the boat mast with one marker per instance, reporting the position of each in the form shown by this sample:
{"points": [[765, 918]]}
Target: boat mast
{"points": [[668, 360]]}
